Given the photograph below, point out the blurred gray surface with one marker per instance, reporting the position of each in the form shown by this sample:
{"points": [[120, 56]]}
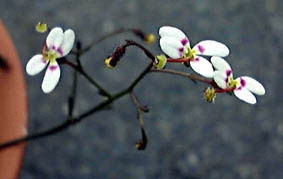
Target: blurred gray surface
{"points": [[188, 138]]}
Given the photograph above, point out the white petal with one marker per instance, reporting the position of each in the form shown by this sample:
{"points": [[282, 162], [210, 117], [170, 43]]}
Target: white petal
{"points": [[36, 64], [68, 42], [254, 86], [245, 95], [51, 78], [202, 66], [168, 31], [55, 38], [211, 48], [220, 64], [220, 79], [171, 47]]}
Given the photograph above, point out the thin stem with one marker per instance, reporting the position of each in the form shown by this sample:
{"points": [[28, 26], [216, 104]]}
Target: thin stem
{"points": [[79, 68], [142, 143], [93, 43], [224, 90], [179, 60], [117, 95], [48, 132], [74, 121], [188, 75], [147, 52], [102, 91], [72, 98], [137, 103]]}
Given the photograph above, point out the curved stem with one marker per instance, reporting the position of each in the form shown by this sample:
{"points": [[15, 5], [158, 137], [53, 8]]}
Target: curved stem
{"points": [[147, 52], [116, 32], [119, 94], [188, 75], [76, 120], [102, 91], [79, 68]]}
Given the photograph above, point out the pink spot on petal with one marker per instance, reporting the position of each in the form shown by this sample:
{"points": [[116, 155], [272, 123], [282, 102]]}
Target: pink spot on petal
{"points": [[184, 41], [53, 47], [181, 49], [60, 50], [197, 59], [52, 68], [243, 82], [228, 72], [201, 48], [226, 80]]}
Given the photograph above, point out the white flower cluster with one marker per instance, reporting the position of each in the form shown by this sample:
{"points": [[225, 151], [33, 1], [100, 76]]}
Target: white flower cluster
{"points": [[176, 45]]}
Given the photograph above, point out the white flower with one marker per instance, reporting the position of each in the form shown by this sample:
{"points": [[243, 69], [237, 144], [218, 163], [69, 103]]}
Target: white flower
{"points": [[176, 44], [243, 87], [58, 44]]}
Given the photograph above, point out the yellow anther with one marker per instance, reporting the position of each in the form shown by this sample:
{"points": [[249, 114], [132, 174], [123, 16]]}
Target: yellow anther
{"points": [[150, 38], [51, 56], [41, 27], [191, 53], [107, 62], [233, 83], [160, 61], [210, 95]]}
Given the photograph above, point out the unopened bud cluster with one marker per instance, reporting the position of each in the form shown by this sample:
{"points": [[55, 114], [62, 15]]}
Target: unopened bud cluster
{"points": [[210, 95]]}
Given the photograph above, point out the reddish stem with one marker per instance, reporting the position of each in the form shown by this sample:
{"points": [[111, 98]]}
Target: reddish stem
{"points": [[178, 60], [44, 48], [224, 90], [71, 64]]}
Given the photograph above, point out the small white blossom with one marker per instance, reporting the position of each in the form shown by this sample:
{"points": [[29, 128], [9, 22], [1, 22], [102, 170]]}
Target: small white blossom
{"points": [[58, 44], [244, 86], [176, 45]]}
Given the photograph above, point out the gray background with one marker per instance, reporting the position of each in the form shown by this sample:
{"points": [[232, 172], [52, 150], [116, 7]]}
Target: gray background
{"points": [[188, 138]]}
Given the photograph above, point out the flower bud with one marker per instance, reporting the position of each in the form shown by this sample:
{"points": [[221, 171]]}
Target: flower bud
{"points": [[41, 27], [113, 60], [108, 62], [160, 61], [149, 38]]}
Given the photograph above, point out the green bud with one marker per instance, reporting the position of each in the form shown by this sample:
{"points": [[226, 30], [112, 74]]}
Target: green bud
{"points": [[160, 61]]}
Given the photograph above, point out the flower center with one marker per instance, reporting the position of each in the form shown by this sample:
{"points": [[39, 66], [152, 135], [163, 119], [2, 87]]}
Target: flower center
{"points": [[233, 83], [51, 55], [191, 54]]}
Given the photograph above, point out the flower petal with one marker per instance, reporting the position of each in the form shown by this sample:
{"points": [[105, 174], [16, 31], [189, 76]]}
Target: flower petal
{"points": [[202, 66], [220, 79], [173, 48], [68, 42], [220, 64], [211, 48], [254, 86], [55, 38], [51, 78], [36, 64], [245, 95], [169, 31]]}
